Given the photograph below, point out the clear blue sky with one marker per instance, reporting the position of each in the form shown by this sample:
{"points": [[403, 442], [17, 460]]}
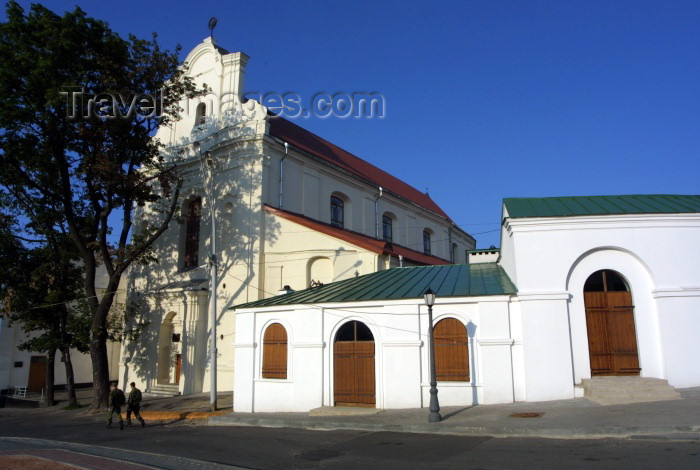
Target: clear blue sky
{"points": [[484, 99]]}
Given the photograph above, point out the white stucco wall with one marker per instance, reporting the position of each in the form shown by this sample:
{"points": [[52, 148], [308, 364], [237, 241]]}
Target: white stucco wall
{"points": [[11, 336], [550, 260], [401, 362]]}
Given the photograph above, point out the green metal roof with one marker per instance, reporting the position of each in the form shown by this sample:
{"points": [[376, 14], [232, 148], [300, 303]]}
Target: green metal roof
{"points": [[601, 205], [454, 280]]}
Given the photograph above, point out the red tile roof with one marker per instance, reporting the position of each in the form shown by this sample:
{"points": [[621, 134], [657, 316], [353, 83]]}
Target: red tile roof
{"points": [[315, 145], [357, 239]]}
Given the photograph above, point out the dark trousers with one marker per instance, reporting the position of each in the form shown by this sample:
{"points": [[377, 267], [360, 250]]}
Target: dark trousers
{"points": [[135, 408], [115, 409]]}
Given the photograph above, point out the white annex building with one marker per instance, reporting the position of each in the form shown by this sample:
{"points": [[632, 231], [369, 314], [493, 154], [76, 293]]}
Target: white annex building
{"points": [[291, 210], [582, 287]]}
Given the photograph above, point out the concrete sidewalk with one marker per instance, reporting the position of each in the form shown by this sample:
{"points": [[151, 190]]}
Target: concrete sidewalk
{"points": [[577, 418]]}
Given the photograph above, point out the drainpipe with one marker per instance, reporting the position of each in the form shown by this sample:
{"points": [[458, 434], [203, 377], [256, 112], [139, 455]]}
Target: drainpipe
{"points": [[376, 214], [400, 261], [286, 150]]}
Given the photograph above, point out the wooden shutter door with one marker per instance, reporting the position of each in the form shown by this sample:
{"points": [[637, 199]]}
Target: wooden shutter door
{"points": [[364, 372], [451, 351], [344, 372], [275, 352], [612, 339], [623, 337], [598, 342]]}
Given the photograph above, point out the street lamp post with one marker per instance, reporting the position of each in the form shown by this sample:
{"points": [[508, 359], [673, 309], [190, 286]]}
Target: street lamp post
{"points": [[434, 415], [207, 158]]}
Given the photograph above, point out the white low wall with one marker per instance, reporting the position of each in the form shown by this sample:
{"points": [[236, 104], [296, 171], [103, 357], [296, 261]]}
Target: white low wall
{"points": [[401, 362]]}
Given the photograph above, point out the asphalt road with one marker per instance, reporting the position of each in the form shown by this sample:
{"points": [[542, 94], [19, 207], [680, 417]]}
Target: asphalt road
{"points": [[160, 444]]}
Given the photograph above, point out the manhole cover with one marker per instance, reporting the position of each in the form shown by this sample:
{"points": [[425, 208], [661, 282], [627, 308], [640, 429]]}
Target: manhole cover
{"points": [[525, 415]]}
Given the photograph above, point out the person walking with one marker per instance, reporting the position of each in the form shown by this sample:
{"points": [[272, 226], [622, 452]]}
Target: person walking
{"points": [[133, 404], [116, 400]]}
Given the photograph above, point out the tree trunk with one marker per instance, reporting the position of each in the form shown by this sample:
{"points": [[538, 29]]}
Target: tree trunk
{"points": [[100, 368], [98, 340], [50, 364], [65, 353], [70, 378]]}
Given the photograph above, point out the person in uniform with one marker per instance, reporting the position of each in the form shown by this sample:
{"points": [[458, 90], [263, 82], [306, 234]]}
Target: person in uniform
{"points": [[133, 404], [116, 400]]}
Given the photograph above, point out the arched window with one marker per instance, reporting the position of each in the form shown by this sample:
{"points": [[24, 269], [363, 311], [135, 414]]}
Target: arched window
{"points": [[337, 212], [201, 114], [451, 351], [194, 215], [274, 364], [387, 228], [426, 241], [605, 281], [354, 331]]}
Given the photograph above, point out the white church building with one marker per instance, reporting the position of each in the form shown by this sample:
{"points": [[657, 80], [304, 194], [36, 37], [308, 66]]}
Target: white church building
{"points": [[291, 210], [582, 287]]}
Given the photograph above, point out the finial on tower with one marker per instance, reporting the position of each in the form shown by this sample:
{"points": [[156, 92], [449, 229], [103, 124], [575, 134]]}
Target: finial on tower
{"points": [[212, 25]]}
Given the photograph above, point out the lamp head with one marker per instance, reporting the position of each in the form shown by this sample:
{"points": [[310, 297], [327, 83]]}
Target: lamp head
{"points": [[429, 297]]}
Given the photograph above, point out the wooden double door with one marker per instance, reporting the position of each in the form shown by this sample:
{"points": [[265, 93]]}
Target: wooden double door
{"points": [[612, 339], [353, 366], [37, 374]]}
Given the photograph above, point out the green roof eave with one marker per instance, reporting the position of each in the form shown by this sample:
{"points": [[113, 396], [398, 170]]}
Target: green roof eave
{"points": [[571, 206], [457, 280]]}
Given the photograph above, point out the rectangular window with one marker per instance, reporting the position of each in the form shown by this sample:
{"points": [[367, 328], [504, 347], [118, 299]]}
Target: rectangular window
{"points": [[426, 242], [337, 215], [387, 229]]}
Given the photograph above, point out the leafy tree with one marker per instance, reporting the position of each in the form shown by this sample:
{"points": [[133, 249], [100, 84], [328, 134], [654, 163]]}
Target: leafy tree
{"points": [[82, 165], [40, 290]]}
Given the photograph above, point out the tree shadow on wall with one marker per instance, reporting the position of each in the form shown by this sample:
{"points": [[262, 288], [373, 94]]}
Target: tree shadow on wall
{"points": [[162, 286]]}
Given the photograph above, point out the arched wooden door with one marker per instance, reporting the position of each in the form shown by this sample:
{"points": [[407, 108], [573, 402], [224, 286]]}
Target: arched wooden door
{"points": [[353, 366], [612, 339]]}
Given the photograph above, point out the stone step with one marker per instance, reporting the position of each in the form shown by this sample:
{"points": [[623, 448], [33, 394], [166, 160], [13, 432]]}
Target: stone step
{"points": [[620, 390], [164, 390]]}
